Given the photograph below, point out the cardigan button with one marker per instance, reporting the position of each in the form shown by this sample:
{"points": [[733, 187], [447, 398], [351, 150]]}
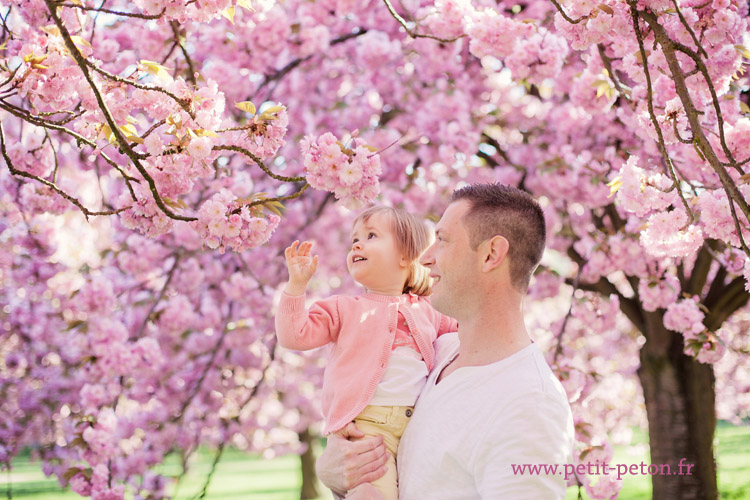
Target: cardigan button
{"points": [[408, 412]]}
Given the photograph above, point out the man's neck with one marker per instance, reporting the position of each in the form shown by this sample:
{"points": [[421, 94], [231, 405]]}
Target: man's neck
{"points": [[485, 342]]}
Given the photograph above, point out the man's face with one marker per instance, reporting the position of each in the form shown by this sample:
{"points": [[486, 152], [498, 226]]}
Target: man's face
{"points": [[452, 262]]}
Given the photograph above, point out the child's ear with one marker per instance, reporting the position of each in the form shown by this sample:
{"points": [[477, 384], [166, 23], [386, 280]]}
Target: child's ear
{"points": [[404, 261]]}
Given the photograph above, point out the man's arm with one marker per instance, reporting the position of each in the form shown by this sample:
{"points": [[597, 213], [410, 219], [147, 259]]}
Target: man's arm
{"points": [[345, 464]]}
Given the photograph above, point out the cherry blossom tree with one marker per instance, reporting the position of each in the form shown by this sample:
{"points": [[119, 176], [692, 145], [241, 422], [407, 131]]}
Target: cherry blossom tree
{"points": [[159, 154]]}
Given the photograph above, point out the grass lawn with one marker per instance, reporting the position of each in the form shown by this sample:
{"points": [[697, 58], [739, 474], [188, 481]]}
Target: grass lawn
{"points": [[732, 448], [240, 476]]}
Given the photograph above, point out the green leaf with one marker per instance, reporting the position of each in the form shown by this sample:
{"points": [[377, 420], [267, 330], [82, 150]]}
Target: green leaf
{"points": [[247, 106], [154, 68], [743, 51], [71, 473], [614, 185], [273, 109], [229, 14], [245, 4]]}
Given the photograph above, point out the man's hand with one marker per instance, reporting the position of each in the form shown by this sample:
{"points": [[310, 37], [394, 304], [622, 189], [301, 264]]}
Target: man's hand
{"points": [[364, 491], [347, 463], [301, 266]]}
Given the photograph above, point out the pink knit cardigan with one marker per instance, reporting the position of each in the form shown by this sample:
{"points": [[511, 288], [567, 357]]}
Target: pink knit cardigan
{"points": [[362, 329]]}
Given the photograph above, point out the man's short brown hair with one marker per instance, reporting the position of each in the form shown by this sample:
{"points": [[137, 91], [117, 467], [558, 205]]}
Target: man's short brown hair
{"points": [[514, 214]]}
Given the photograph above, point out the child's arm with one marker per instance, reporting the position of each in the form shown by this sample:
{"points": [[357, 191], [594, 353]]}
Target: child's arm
{"points": [[446, 324], [296, 327]]}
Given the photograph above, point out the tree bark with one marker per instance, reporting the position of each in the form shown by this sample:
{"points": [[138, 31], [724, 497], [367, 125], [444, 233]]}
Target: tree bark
{"points": [[680, 404], [307, 461]]}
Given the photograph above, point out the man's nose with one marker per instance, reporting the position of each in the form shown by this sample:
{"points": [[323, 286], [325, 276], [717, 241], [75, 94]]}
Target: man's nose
{"points": [[427, 259]]}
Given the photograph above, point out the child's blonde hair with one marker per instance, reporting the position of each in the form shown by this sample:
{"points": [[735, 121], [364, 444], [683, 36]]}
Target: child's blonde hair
{"points": [[412, 238]]}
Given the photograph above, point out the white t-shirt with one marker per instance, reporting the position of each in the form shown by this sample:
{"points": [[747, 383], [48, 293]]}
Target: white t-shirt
{"points": [[403, 379], [467, 430]]}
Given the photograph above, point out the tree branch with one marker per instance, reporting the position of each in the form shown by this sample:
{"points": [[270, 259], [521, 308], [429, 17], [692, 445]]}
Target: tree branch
{"points": [[191, 69], [121, 140], [258, 161], [170, 275], [411, 32], [689, 29], [702, 142], [724, 303], [565, 16], [184, 104], [278, 198], [40, 122], [281, 73], [115, 12], [650, 102], [207, 366], [699, 274], [630, 307], [86, 212]]}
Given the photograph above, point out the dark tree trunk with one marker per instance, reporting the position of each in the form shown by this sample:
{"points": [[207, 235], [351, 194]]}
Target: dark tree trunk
{"points": [[680, 404], [307, 461]]}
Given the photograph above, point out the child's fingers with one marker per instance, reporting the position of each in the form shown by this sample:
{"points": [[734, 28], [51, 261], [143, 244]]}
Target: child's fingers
{"points": [[314, 265], [304, 249], [291, 250]]}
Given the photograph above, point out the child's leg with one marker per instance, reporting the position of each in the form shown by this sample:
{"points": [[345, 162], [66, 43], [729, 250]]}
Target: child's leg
{"points": [[389, 422]]}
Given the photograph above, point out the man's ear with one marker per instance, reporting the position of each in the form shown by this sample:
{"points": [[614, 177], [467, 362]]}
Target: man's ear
{"points": [[493, 252]]}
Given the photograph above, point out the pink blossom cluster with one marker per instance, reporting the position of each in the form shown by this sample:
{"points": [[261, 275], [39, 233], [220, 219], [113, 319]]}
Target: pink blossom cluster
{"points": [[94, 483], [264, 134], [446, 18], [669, 235], [494, 34], [226, 222], [658, 293], [183, 10], [643, 192], [350, 173], [686, 317], [708, 350], [715, 218], [738, 139], [538, 57], [144, 214], [545, 285], [43, 199], [32, 156]]}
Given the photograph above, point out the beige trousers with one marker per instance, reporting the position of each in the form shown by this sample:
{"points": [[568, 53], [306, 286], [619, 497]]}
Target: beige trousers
{"points": [[389, 422]]}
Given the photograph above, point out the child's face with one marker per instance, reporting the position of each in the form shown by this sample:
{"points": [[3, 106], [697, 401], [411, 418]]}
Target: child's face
{"points": [[375, 261]]}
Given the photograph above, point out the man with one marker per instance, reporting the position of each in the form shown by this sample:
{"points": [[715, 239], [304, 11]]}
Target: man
{"points": [[491, 401]]}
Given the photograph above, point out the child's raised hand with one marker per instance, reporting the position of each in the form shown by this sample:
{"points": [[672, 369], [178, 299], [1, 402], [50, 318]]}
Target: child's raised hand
{"points": [[301, 265]]}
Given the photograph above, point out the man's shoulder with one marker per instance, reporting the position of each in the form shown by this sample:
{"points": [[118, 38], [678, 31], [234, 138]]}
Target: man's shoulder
{"points": [[526, 376]]}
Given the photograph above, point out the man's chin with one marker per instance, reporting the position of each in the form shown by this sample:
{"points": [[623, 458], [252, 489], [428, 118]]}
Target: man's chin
{"points": [[438, 301]]}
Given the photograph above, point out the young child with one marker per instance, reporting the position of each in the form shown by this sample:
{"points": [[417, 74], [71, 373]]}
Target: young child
{"points": [[383, 339]]}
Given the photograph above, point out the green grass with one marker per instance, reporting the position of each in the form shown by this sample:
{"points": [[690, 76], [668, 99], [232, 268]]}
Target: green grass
{"points": [[240, 476], [732, 448]]}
